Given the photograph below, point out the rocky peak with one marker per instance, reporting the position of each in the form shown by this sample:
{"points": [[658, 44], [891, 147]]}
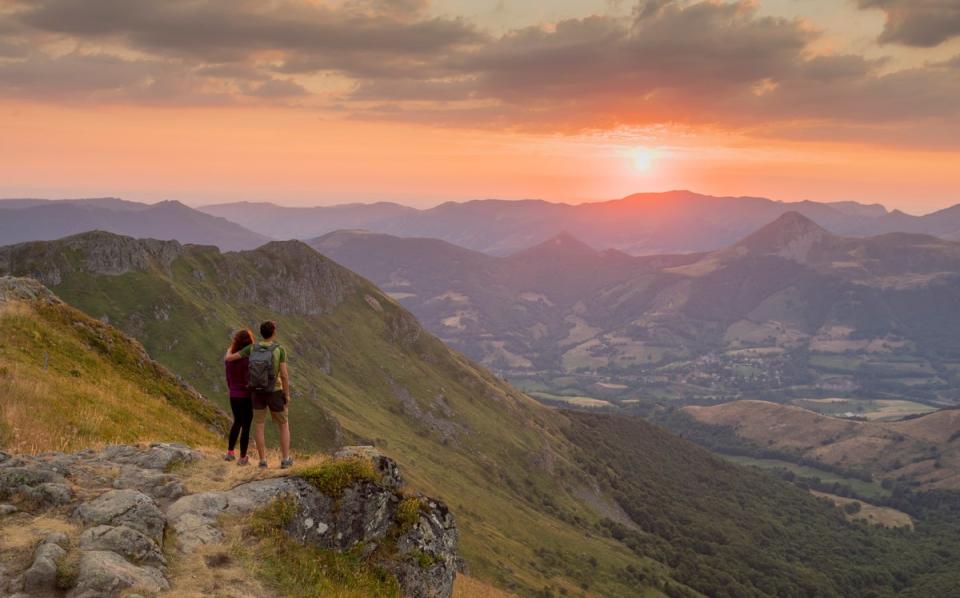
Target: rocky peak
{"points": [[294, 278], [791, 236], [125, 508], [562, 245], [95, 252]]}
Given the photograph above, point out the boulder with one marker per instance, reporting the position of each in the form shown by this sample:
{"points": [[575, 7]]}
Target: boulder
{"points": [[131, 508], [41, 577], [105, 573], [159, 456], [125, 541]]}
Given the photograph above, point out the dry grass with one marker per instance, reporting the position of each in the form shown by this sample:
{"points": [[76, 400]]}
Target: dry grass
{"points": [[49, 413], [20, 533], [469, 587], [212, 571], [212, 473], [60, 395]]}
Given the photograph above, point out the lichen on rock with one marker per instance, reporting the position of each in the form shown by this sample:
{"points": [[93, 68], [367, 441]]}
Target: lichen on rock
{"points": [[128, 510]]}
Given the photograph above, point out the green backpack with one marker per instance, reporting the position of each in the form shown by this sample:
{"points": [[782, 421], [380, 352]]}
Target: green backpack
{"points": [[263, 377]]}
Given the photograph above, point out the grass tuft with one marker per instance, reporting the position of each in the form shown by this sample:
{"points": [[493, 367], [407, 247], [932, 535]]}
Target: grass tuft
{"points": [[68, 569], [408, 513], [297, 571], [333, 477]]}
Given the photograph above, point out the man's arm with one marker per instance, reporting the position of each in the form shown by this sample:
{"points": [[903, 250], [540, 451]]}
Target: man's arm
{"points": [[244, 352], [285, 381]]}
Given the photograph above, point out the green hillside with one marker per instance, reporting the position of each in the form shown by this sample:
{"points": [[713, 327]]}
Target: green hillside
{"points": [[71, 382], [494, 455], [734, 532]]}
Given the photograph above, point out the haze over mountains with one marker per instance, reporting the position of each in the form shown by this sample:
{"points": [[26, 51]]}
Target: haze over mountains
{"points": [[44, 220], [644, 223], [641, 224], [789, 309]]}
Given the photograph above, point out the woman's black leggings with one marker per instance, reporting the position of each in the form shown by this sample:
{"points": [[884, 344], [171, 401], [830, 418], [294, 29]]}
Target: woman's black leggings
{"points": [[242, 418]]}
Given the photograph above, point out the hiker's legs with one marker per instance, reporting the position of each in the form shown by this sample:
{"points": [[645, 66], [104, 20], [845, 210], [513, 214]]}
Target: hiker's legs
{"points": [[246, 421], [278, 412], [237, 409], [285, 439], [259, 421]]}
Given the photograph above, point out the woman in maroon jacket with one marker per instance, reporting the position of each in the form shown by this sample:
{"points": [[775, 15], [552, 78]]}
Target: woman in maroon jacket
{"points": [[240, 402]]}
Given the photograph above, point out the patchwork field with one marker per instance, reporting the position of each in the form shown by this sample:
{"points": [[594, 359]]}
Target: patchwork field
{"points": [[866, 489], [868, 409]]}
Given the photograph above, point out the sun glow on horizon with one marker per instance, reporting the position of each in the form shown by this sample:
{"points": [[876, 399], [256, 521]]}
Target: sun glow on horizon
{"points": [[644, 159]]}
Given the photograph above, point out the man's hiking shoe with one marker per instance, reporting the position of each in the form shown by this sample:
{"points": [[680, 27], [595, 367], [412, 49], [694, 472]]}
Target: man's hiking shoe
{"points": [[243, 461], [229, 457], [286, 463], [263, 464]]}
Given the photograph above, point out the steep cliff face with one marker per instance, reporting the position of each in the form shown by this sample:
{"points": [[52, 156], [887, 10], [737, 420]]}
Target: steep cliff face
{"points": [[126, 519]]}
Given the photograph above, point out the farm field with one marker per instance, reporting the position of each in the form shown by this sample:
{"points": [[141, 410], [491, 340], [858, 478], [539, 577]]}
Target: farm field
{"points": [[866, 489], [576, 401], [869, 409]]}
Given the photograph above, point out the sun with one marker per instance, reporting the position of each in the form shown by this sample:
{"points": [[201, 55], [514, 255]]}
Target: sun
{"points": [[643, 159]]}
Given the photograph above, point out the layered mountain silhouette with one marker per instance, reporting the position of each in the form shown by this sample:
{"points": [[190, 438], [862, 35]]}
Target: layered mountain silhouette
{"points": [[644, 223], [43, 220], [789, 306]]}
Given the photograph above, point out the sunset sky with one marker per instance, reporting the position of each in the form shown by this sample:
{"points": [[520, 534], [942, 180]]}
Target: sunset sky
{"points": [[310, 102]]}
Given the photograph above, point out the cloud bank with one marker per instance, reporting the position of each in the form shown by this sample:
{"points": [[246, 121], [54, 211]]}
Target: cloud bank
{"points": [[716, 63]]}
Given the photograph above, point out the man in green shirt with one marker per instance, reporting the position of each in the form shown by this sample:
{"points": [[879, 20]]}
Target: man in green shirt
{"points": [[264, 393]]}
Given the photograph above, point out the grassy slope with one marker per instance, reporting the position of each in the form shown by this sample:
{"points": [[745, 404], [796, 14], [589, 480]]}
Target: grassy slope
{"points": [[72, 382], [894, 450], [503, 468]]}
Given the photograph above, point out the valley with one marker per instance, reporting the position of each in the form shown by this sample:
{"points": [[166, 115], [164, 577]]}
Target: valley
{"points": [[789, 312]]}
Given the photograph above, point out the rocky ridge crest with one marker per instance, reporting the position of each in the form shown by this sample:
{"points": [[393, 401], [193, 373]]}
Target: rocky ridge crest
{"points": [[128, 511]]}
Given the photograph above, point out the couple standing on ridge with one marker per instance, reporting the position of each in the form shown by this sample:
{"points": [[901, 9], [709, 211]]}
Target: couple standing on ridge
{"points": [[252, 372]]}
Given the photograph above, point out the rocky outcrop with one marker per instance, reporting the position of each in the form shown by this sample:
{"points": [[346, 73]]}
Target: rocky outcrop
{"points": [[102, 253], [129, 510]]}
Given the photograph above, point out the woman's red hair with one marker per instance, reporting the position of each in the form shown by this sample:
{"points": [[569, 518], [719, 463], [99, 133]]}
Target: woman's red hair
{"points": [[241, 339]]}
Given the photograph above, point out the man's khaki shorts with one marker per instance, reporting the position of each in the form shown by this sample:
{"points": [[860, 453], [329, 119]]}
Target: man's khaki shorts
{"points": [[275, 402]]}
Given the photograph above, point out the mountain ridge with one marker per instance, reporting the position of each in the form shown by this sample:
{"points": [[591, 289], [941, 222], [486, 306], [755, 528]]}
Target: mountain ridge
{"points": [[642, 223], [53, 219]]}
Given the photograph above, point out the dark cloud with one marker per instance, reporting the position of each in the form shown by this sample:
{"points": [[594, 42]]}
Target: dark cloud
{"points": [[668, 45], [223, 30], [922, 23]]}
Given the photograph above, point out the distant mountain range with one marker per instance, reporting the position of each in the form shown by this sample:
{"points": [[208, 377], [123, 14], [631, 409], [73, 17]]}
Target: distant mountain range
{"points": [[788, 309], [43, 220], [641, 224], [644, 223]]}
